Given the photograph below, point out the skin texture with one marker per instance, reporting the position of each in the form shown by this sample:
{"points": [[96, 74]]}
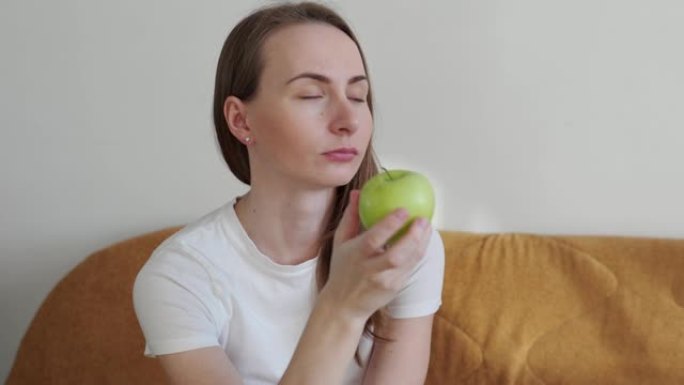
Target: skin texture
{"points": [[291, 124]]}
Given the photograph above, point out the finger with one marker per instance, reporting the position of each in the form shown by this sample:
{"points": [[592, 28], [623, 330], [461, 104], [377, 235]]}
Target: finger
{"points": [[375, 238], [409, 249], [350, 224]]}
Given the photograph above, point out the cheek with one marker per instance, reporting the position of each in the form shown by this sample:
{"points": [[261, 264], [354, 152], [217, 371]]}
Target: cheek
{"points": [[367, 125], [271, 121], [290, 113], [285, 135]]}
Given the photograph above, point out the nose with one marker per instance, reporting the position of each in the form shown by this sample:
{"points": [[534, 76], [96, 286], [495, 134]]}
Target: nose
{"points": [[345, 116]]}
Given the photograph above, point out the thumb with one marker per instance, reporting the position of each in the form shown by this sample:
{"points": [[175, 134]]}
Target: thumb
{"points": [[350, 223]]}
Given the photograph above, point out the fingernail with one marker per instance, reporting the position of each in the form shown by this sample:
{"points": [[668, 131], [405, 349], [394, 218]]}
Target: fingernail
{"points": [[421, 223], [401, 214]]}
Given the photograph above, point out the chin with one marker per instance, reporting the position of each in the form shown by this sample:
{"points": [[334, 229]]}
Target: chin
{"points": [[337, 177], [335, 181]]}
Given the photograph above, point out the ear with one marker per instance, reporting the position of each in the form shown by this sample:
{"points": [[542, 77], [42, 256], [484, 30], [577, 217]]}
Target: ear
{"points": [[235, 113]]}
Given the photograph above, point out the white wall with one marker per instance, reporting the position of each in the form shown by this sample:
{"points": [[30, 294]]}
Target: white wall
{"points": [[535, 116]]}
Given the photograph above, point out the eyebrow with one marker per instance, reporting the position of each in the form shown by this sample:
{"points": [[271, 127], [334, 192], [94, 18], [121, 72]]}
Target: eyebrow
{"points": [[325, 79]]}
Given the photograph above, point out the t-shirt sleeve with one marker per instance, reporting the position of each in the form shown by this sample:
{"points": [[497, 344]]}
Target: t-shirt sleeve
{"points": [[422, 293], [175, 304]]}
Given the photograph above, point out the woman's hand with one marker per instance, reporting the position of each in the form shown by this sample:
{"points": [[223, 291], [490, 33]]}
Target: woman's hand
{"points": [[365, 275]]}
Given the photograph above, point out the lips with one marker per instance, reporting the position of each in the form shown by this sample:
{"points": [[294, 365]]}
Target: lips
{"points": [[344, 154], [343, 150]]}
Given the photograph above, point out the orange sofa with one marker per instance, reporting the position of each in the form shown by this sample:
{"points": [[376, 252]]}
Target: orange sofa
{"points": [[517, 309]]}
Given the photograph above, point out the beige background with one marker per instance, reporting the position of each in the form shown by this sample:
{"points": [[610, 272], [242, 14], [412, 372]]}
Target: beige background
{"points": [[534, 116]]}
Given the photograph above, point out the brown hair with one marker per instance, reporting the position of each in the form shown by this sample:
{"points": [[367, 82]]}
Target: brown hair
{"points": [[239, 68]]}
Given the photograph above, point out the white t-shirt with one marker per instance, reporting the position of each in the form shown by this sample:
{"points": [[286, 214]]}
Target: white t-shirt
{"points": [[209, 285]]}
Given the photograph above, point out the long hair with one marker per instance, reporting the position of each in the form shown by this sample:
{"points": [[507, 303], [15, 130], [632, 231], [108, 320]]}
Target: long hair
{"points": [[239, 68]]}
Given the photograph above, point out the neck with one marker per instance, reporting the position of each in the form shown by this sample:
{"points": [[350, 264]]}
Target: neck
{"points": [[285, 224]]}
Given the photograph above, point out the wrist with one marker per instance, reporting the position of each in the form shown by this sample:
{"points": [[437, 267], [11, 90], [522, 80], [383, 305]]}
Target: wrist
{"points": [[330, 308]]}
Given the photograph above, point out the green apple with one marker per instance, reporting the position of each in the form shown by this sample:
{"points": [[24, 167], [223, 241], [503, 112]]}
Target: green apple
{"points": [[392, 189]]}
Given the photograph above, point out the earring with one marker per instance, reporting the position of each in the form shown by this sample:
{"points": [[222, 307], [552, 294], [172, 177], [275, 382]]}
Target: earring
{"points": [[247, 139]]}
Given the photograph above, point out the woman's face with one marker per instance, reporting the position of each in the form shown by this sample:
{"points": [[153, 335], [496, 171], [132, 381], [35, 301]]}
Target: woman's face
{"points": [[310, 119]]}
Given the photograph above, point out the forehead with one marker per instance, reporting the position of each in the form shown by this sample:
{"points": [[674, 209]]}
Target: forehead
{"points": [[313, 47]]}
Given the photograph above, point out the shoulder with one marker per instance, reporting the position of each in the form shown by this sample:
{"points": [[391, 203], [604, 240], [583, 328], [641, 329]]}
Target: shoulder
{"points": [[185, 259], [202, 232], [434, 255], [193, 245], [436, 245]]}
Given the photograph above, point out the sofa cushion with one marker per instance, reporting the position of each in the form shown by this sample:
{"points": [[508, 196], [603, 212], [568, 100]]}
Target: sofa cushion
{"points": [[524, 309]]}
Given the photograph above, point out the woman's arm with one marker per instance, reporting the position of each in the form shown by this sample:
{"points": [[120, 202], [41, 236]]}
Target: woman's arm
{"points": [[405, 360], [205, 366], [364, 277]]}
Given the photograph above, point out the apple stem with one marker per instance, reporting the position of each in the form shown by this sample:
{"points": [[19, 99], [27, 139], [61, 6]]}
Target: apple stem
{"points": [[389, 175]]}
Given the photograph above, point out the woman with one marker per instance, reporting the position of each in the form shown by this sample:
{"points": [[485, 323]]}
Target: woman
{"points": [[280, 285]]}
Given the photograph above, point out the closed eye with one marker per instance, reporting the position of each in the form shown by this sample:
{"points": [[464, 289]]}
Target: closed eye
{"points": [[310, 97]]}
